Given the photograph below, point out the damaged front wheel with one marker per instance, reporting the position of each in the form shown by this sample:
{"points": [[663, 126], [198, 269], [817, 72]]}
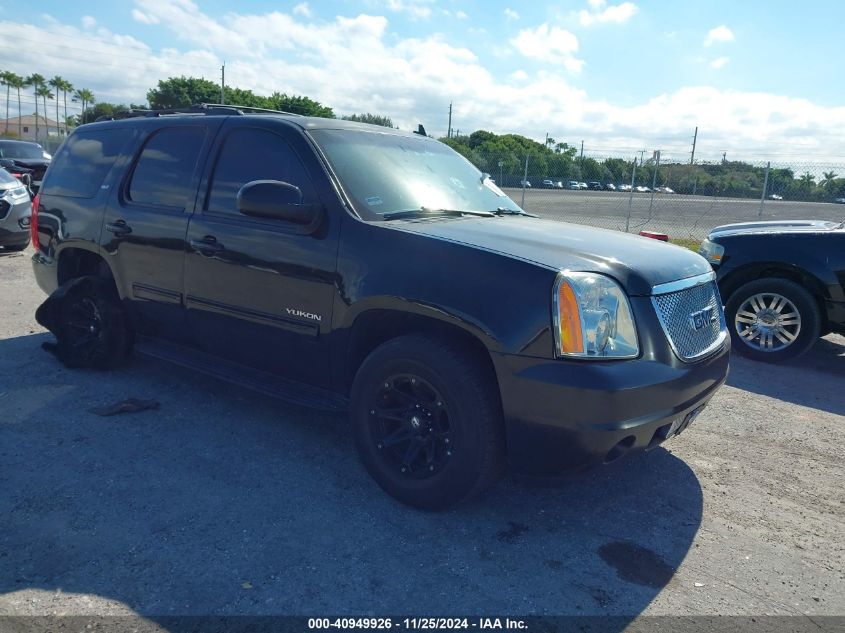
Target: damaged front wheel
{"points": [[89, 323]]}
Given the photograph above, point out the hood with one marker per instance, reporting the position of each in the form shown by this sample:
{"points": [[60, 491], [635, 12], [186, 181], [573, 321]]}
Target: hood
{"points": [[774, 227], [638, 263]]}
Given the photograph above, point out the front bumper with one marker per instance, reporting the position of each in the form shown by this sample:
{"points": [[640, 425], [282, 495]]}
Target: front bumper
{"points": [[569, 415]]}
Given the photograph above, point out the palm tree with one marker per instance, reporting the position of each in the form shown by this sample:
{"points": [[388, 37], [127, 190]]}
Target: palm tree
{"points": [[35, 81], [85, 96], [17, 82], [827, 179], [56, 82], [807, 180], [5, 78], [66, 87], [45, 93]]}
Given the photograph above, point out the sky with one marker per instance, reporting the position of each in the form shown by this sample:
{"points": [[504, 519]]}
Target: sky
{"points": [[761, 80]]}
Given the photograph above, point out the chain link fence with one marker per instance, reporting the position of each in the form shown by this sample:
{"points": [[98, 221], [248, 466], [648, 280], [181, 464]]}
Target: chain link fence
{"points": [[659, 194]]}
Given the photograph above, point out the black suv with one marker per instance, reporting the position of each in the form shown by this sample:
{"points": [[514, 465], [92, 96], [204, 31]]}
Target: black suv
{"points": [[359, 268], [783, 283]]}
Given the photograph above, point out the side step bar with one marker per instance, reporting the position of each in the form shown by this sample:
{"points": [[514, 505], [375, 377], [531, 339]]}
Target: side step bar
{"points": [[262, 382]]}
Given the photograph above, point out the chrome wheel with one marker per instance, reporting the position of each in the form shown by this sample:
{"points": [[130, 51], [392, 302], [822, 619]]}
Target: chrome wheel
{"points": [[768, 322]]}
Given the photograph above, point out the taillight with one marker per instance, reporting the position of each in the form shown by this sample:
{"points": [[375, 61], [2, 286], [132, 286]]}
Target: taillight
{"points": [[33, 221]]}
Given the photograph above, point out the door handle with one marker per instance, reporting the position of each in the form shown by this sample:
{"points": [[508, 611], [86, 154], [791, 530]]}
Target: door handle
{"points": [[207, 246], [119, 228]]}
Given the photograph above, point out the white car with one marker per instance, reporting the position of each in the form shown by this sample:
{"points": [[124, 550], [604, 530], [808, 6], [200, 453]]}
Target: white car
{"points": [[775, 196], [641, 189], [840, 200], [582, 185], [525, 183]]}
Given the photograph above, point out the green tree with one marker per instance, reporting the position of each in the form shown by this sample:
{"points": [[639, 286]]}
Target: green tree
{"points": [[372, 119], [66, 88], [17, 82], [35, 81], [180, 92], [10, 80], [86, 97], [807, 181], [299, 105], [45, 93], [56, 83]]}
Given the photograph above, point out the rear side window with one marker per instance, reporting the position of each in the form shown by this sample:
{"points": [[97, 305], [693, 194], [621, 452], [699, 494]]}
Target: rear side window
{"points": [[81, 166], [162, 176], [252, 154]]}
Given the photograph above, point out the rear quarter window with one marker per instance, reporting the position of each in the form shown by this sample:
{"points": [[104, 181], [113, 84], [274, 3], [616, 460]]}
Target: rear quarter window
{"points": [[84, 160]]}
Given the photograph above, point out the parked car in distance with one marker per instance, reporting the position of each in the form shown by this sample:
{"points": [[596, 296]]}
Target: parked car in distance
{"points": [[840, 200], [594, 185], [547, 184], [573, 184], [582, 185], [287, 254], [558, 184], [15, 210], [625, 188], [25, 155], [641, 189], [783, 284], [610, 187], [526, 184], [775, 196]]}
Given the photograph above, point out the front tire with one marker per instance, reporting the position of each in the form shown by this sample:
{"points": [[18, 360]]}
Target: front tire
{"points": [[92, 328], [427, 422], [772, 320]]}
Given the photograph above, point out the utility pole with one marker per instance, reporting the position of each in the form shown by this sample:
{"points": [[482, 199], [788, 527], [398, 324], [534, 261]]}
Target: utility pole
{"points": [[642, 155], [223, 83], [694, 139], [582, 149], [449, 133], [724, 157]]}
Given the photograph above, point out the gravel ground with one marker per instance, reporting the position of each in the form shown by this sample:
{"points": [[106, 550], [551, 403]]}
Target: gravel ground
{"points": [[226, 502]]}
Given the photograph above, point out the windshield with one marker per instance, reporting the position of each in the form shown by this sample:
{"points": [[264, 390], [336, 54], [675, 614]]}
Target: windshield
{"points": [[385, 173], [20, 150]]}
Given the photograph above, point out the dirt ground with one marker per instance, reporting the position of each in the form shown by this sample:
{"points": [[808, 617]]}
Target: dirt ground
{"points": [[222, 501]]}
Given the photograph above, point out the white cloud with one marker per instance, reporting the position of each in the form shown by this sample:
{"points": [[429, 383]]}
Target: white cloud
{"points": [[719, 62], [356, 64], [600, 14], [143, 18], [549, 44], [461, 15], [88, 22], [719, 34], [417, 9], [510, 14], [302, 9]]}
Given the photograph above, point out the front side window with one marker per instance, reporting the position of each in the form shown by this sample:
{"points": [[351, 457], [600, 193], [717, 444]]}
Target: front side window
{"points": [[253, 154], [162, 176], [384, 173], [81, 166]]}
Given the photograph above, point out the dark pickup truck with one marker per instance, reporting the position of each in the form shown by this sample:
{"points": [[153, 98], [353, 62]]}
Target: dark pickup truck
{"points": [[368, 270], [783, 283]]}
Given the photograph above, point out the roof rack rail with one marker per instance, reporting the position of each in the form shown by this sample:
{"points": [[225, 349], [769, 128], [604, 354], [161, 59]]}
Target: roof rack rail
{"points": [[197, 108]]}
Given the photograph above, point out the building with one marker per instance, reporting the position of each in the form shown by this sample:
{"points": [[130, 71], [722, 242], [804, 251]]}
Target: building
{"points": [[46, 127]]}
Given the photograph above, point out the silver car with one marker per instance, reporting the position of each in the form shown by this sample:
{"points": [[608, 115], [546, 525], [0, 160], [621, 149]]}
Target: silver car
{"points": [[15, 211]]}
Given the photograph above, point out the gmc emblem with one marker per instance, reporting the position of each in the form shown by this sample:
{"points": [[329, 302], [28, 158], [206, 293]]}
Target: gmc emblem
{"points": [[701, 319]]}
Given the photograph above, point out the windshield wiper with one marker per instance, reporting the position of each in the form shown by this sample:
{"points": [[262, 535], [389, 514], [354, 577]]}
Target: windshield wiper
{"points": [[425, 212], [506, 211]]}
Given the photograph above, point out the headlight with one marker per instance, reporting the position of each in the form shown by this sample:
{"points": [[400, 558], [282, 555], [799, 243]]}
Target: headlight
{"points": [[711, 251], [592, 318], [47, 156]]}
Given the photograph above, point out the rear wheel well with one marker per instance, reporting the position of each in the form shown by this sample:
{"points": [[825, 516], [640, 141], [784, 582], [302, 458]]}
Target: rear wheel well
{"points": [[375, 327], [742, 276], [78, 262]]}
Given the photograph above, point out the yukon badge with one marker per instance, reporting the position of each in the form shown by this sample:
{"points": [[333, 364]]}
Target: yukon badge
{"points": [[304, 315], [702, 318]]}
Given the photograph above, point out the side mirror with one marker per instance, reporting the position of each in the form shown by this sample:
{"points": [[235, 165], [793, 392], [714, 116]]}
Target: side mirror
{"points": [[277, 200]]}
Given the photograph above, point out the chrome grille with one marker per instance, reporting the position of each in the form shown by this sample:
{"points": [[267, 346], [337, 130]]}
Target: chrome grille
{"points": [[690, 334]]}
